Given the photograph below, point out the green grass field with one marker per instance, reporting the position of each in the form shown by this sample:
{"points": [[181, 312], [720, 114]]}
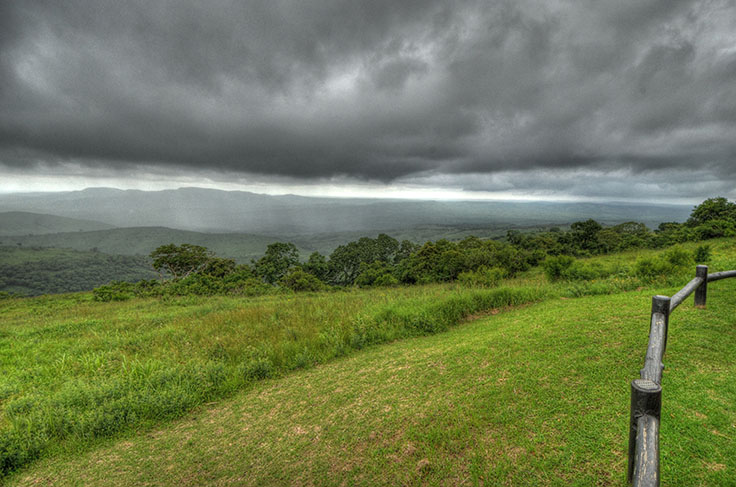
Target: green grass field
{"points": [[531, 388]]}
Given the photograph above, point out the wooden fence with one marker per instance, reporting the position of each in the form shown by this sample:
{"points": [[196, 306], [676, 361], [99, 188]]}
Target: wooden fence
{"points": [[646, 392]]}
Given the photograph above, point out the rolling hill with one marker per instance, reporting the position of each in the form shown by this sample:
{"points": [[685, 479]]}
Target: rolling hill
{"points": [[143, 240], [15, 223]]}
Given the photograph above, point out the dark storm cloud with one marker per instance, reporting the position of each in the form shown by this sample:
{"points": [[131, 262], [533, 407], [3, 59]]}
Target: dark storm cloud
{"points": [[371, 90]]}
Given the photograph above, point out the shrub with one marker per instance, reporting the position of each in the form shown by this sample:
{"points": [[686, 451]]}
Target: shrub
{"points": [[555, 267], [196, 284], [702, 254], [376, 274], [678, 257], [649, 269], [115, 291], [247, 287], [300, 280], [482, 277], [148, 288], [715, 229], [386, 280], [243, 281], [581, 272], [669, 264]]}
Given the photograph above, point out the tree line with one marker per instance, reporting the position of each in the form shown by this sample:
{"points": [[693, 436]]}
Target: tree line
{"points": [[36, 271], [384, 261]]}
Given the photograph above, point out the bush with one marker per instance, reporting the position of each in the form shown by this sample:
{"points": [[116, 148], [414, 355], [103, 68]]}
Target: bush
{"points": [[115, 291], [555, 267], [649, 269], [148, 288], [243, 281], [715, 229], [197, 285], [565, 268], [247, 287], [582, 272], [677, 257], [483, 277], [385, 280], [702, 254], [300, 280], [670, 264], [376, 274]]}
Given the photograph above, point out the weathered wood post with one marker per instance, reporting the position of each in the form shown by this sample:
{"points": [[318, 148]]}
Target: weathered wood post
{"points": [[661, 304], [646, 408], [701, 294]]}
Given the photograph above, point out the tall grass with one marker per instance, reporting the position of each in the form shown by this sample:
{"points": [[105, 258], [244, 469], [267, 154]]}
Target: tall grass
{"points": [[75, 370], [119, 367]]}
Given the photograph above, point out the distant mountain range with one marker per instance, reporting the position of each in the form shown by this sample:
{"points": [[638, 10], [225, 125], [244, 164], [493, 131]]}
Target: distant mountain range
{"points": [[209, 210]]}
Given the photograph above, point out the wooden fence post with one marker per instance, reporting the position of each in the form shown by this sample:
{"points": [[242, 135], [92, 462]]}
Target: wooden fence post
{"points": [[646, 399], [661, 304], [701, 294]]}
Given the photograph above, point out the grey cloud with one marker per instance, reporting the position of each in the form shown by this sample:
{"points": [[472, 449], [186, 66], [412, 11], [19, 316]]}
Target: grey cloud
{"points": [[379, 90], [621, 184]]}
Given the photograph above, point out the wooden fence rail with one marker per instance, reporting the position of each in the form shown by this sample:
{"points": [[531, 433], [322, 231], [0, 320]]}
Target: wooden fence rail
{"points": [[646, 392]]}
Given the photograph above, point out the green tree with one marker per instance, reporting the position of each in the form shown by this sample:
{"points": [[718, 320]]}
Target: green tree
{"points": [[375, 274], [180, 260], [218, 267], [585, 234], [433, 262], [384, 248], [318, 266], [346, 260], [712, 209], [714, 229], [345, 263], [515, 238], [406, 248], [279, 258]]}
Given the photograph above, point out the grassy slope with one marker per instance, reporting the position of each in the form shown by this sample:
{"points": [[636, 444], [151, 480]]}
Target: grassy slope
{"points": [[56, 348], [76, 371], [534, 396]]}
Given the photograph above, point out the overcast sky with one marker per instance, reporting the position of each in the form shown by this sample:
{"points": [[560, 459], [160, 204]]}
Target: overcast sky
{"points": [[599, 99]]}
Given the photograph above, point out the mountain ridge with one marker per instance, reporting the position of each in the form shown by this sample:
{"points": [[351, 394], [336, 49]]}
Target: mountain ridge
{"points": [[218, 211]]}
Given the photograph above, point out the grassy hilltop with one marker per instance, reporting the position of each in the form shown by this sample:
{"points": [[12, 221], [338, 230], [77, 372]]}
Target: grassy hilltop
{"points": [[531, 390]]}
